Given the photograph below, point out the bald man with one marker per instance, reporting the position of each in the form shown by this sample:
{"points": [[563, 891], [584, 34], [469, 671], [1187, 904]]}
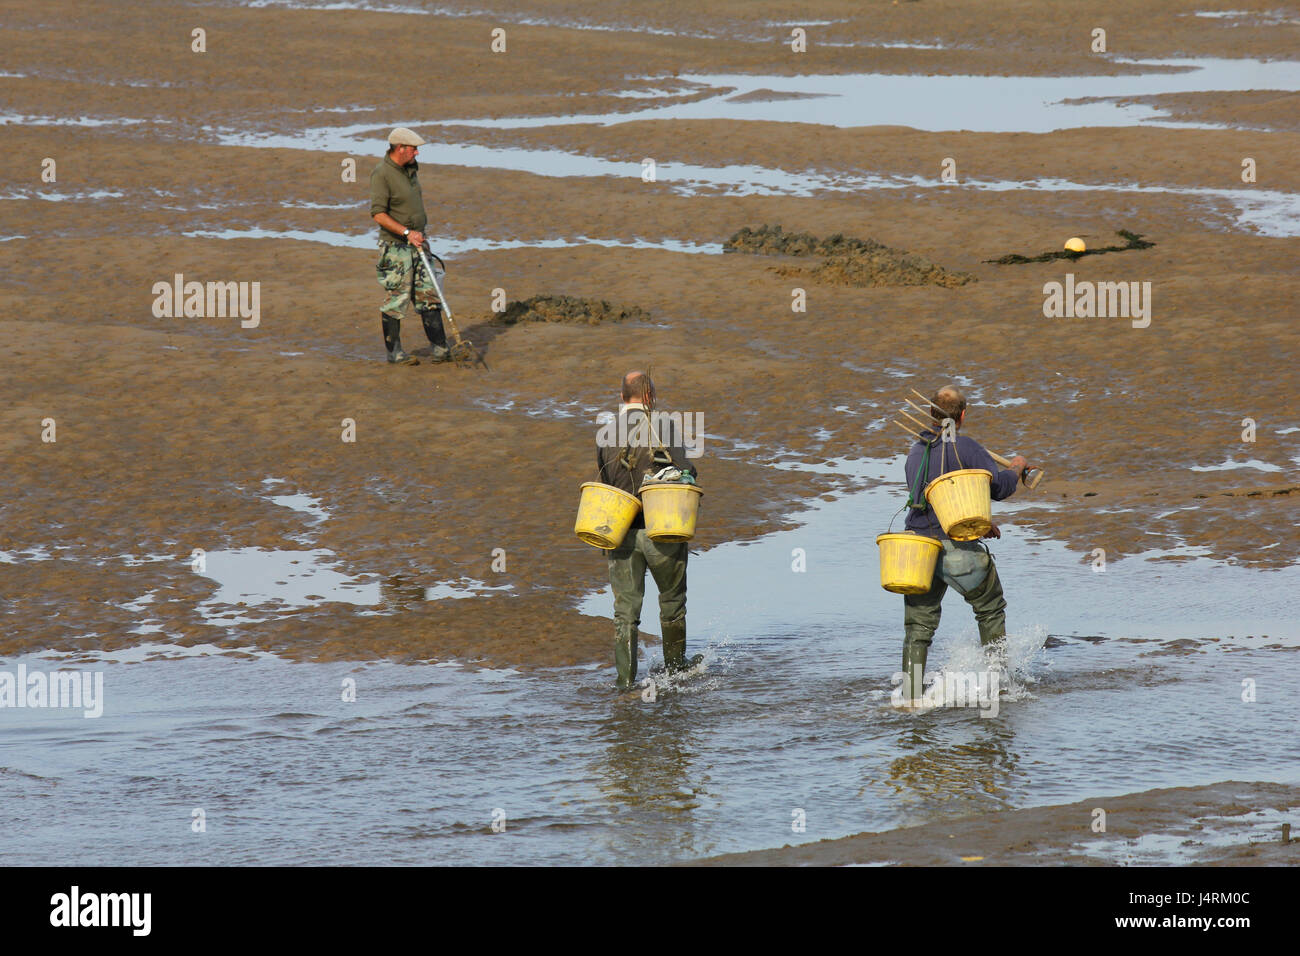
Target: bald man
{"points": [[624, 467], [966, 566]]}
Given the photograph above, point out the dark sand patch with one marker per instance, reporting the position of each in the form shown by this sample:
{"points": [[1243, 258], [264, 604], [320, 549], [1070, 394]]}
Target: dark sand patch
{"points": [[569, 310], [775, 241], [863, 263]]}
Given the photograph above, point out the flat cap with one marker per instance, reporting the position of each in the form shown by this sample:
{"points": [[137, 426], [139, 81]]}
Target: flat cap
{"points": [[404, 137]]}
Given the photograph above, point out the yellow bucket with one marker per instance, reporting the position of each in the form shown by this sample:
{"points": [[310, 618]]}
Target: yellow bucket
{"points": [[907, 562], [961, 502], [604, 514], [671, 510]]}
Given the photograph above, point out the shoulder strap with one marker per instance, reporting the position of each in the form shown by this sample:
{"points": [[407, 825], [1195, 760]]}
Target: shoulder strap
{"points": [[915, 494]]}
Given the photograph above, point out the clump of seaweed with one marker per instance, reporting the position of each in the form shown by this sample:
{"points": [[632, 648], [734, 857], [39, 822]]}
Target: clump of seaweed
{"points": [[848, 260], [568, 309], [1133, 240]]}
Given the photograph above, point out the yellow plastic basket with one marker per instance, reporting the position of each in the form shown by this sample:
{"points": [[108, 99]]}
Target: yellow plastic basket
{"points": [[961, 502]]}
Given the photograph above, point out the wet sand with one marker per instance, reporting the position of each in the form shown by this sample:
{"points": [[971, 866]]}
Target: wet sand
{"points": [[1215, 825], [167, 428]]}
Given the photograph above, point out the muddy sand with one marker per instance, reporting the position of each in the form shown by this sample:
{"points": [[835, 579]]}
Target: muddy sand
{"points": [[1216, 825], [171, 431]]}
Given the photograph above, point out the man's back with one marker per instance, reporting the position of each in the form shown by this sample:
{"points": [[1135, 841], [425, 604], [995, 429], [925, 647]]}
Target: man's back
{"points": [[965, 452], [638, 449]]}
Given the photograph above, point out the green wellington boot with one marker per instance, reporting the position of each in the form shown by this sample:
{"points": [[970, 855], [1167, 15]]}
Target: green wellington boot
{"points": [[914, 656], [625, 649], [675, 646]]}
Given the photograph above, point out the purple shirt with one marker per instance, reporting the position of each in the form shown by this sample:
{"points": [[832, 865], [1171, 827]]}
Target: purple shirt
{"points": [[943, 459]]}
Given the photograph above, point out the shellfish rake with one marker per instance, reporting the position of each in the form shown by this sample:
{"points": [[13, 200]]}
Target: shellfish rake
{"points": [[463, 352], [1031, 476]]}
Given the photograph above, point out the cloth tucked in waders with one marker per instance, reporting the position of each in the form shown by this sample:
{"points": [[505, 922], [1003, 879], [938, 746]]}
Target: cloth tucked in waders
{"points": [[968, 568], [965, 566], [624, 467]]}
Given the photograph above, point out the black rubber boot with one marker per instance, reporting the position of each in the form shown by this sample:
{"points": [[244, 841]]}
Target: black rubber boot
{"points": [[437, 335], [393, 341], [625, 650]]}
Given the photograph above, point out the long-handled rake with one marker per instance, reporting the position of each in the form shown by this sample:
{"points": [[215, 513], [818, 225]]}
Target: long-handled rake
{"points": [[462, 350], [1031, 476]]}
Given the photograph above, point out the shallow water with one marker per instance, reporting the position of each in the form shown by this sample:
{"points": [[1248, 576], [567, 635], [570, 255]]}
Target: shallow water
{"points": [[1123, 681], [948, 102], [451, 246], [1268, 212]]}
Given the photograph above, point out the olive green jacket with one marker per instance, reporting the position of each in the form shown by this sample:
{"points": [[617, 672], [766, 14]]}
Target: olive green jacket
{"points": [[396, 190]]}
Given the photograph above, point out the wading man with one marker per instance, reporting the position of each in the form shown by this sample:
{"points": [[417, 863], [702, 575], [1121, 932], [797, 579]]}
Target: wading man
{"points": [[624, 464], [397, 205], [966, 566]]}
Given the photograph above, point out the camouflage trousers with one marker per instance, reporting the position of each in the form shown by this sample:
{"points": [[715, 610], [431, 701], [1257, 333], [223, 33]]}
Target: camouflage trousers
{"points": [[405, 280]]}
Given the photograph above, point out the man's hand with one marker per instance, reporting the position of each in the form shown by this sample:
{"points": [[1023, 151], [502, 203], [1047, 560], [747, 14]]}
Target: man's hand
{"points": [[993, 532], [392, 225], [1019, 464]]}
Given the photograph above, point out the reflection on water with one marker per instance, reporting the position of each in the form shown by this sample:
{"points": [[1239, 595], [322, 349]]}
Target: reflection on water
{"points": [[646, 773], [934, 773]]}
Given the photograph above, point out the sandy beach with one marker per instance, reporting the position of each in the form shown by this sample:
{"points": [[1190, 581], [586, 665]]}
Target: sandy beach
{"points": [[173, 434]]}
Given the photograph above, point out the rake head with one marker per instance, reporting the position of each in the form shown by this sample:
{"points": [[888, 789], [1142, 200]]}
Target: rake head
{"points": [[465, 355]]}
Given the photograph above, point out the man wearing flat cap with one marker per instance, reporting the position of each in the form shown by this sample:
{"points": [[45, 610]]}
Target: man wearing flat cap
{"points": [[397, 205]]}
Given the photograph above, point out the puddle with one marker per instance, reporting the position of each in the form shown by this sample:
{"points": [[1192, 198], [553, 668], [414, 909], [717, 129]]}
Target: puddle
{"points": [[464, 588], [1268, 212], [254, 577], [17, 119], [46, 196], [149, 652], [303, 503], [549, 408], [321, 205], [941, 103], [1176, 844], [1231, 465], [643, 94], [451, 247], [1266, 18], [28, 554]]}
